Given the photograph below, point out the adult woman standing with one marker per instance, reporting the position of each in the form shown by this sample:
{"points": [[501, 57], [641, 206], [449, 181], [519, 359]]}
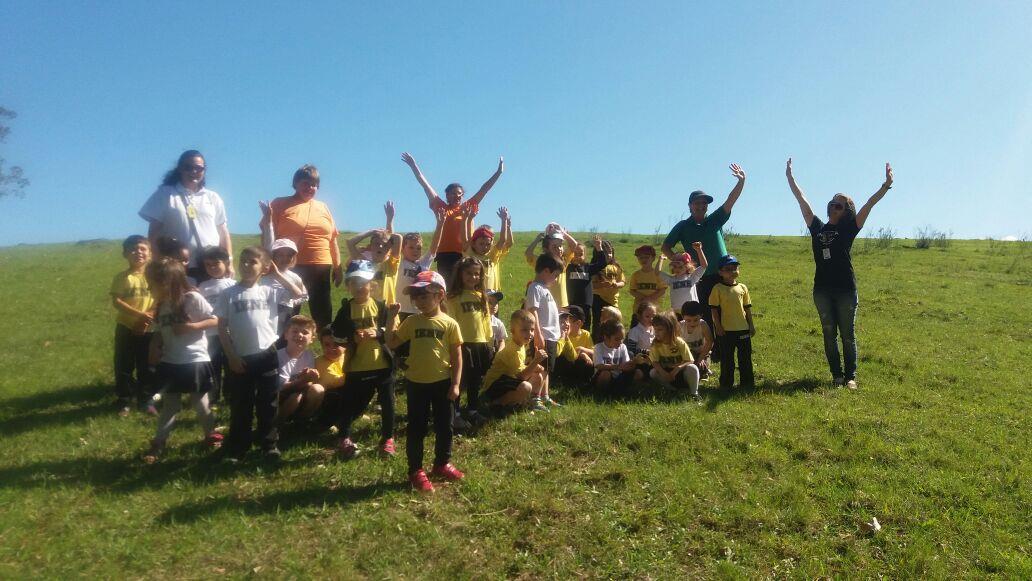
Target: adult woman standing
{"points": [[184, 209], [834, 284], [310, 225], [449, 252]]}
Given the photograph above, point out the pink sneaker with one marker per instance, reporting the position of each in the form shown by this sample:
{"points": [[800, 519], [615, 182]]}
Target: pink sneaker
{"points": [[387, 448], [420, 482], [448, 472], [214, 440], [347, 449]]}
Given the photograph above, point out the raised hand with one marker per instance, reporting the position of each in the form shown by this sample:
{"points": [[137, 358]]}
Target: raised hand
{"points": [[788, 169], [409, 160], [501, 164], [888, 176], [737, 171], [596, 241], [503, 213], [266, 210], [697, 246], [388, 209], [393, 309]]}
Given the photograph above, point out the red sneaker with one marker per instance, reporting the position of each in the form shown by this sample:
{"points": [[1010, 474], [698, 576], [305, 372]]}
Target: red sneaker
{"points": [[420, 482], [214, 440], [387, 448], [347, 449], [448, 472]]}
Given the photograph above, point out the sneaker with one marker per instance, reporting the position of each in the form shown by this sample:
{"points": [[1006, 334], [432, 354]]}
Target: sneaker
{"points": [[214, 440], [150, 409], [838, 381], [420, 482], [387, 448], [460, 425], [537, 406], [157, 448], [447, 472], [124, 411], [697, 399], [347, 449], [476, 418], [851, 384], [272, 453], [551, 402]]}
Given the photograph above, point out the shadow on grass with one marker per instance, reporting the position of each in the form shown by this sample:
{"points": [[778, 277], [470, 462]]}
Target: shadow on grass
{"points": [[715, 396], [312, 497], [66, 405]]}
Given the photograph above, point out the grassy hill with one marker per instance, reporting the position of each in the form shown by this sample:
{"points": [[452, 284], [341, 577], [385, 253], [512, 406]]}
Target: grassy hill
{"points": [[774, 481]]}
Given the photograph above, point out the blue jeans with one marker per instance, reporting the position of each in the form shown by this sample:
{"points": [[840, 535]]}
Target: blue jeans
{"points": [[837, 309]]}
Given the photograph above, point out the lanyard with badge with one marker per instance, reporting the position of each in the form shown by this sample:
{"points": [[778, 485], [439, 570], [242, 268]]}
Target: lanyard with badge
{"points": [[191, 215]]}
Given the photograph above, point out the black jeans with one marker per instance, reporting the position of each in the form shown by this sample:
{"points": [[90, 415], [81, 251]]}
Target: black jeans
{"points": [[359, 387], [735, 341], [476, 360], [253, 392], [218, 368], [446, 262], [317, 279], [422, 398], [131, 353]]}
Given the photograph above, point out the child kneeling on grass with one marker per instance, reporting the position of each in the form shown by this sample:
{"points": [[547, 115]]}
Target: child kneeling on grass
{"points": [[511, 379], [433, 376], [299, 394], [574, 366], [614, 369], [696, 333], [330, 366], [672, 362], [182, 350]]}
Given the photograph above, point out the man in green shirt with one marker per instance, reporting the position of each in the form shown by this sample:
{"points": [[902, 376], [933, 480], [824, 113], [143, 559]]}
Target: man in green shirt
{"points": [[700, 227]]}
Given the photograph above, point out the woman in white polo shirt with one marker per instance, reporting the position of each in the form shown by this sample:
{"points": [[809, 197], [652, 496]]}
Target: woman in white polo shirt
{"points": [[183, 208]]}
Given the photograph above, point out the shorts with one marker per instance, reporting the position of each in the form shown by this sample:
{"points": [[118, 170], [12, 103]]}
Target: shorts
{"points": [[500, 387], [184, 377]]}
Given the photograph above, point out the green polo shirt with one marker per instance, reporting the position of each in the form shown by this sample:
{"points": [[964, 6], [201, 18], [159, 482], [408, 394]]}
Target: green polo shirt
{"points": [[688, 231]]}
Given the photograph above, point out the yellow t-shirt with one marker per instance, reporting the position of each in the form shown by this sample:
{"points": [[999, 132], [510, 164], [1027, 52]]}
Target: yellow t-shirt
{"points": [[431, 340], [369, 354], [612, 273], [467, 308], [646, 282], [331, 371], [557, 288], [566, 349], [670, 355], [732, 301], [510, 361], [492, 265], [133, 289], [386, 279], [582, 339]]}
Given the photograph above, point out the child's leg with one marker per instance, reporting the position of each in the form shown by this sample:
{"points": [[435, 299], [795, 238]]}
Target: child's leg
{"points": [[144, 377], [745, 370], [690, 375], [727, 359], [266, 406], [201, 407], [311, 399], [170, 406], [218, 363], [385, 396], [125, 386], [418, 414], [288, 405], [521, 394], [442, 421], [358, 392], [241, 411], [654, 375]]}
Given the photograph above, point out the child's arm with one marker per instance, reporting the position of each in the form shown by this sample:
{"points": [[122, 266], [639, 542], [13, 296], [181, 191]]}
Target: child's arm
{"points": [[391, 338], [455, 355], [388, 210], [804, 206], [539, 356], [142, 316], [235, 362], [184, 328], [703, 263], [861, 216], [748, 318], [505, 241], [395, 246], [288, 285], [531, 252], [479, 196], [467, 229], [715, 313], [438, 231], [265, 224], [352, 243], [707, 341], [431, 195], [568, 237]]}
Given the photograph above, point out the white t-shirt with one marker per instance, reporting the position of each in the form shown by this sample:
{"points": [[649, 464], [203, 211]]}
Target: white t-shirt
{"points": [[682, 288], [191, 347], [541, 302], [611, 355], [407, 271], [210, 290], [640, 338], [695, 338], [166, 206], [291, 366], [250, 313], [289, 301], [498, 331]]}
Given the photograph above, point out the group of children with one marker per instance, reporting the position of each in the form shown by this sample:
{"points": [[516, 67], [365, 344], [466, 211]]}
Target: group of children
{"points": [[244, 340]]}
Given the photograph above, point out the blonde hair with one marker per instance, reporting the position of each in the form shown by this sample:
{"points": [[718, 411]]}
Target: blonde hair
{"points": [[613, 312], [301, 321], [668, 321]]}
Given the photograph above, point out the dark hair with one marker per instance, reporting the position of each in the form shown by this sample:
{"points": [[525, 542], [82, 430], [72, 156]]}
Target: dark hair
{"points": [[131, 242], [171, 247], [169, 273], [547, 262], [326, 331], [172, 175], [692, 309], [849, 206], [644, 305], [455, 284], [258, 252], [451, 187], [215, 253], [610, 328], [307, 173]]}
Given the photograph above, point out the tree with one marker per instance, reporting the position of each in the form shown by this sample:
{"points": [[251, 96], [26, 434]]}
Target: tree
{"points": [[12, 181]]}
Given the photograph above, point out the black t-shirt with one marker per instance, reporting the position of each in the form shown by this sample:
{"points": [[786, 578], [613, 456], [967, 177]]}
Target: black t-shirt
{"points": [[831, 246], [577, 282]]}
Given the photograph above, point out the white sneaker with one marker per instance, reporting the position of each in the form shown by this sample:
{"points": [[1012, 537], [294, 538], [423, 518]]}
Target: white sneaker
{"points": [[851, 384]]}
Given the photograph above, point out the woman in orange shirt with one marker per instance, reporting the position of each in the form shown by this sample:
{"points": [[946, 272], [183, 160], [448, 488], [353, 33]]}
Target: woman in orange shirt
{"points": [[310, 225], [449, 252]]}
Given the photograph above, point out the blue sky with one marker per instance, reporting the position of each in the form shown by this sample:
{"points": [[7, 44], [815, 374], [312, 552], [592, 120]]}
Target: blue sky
{"points": [[608, 114]]}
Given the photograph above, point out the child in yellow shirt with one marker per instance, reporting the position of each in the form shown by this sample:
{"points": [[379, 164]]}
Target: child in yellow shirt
{"points": [[512, 378], [646, 284], [606, 287], [467, 304], [131, 297], [732, 317], [481, 244]]}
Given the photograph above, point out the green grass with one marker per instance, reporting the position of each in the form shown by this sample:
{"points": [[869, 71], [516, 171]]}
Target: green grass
{"points": [[769, 482]]}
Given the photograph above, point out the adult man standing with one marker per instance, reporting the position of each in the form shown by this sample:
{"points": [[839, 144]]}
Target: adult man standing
{"points": [[700, 227]]}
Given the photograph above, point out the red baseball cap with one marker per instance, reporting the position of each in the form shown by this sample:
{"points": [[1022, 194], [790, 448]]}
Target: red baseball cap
{"points": [[425, 279]]}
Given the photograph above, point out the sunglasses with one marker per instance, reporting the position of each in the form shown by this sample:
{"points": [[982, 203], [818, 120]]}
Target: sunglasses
{"points": [[835, 206], [194, 168]]}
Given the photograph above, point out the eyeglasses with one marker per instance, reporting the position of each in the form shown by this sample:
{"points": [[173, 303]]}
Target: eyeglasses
{"points": [[835, 206], [194, 168]]}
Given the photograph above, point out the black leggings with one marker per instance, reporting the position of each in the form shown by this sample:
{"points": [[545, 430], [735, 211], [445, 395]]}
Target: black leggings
{"points": [[476, 360], [729, 343], [131, 353], [359, 387], [422, 399], [317, 281], [253, 393]]}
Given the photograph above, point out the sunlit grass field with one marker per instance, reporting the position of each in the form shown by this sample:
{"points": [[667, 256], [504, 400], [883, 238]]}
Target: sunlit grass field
{"points": [[771, 482]]}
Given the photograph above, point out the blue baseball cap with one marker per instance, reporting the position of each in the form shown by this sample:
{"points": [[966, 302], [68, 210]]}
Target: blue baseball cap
{"points": [[362, 269], [726, 260]]}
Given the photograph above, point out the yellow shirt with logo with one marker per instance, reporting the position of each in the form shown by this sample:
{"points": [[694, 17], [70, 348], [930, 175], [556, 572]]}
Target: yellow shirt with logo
{"points": [[467, 308], [331, 371], [732, 301], [369, 353], [670, 355], [510, 361], [132, 288], [386, 279], [431, 340], [642, 281], [492, 265], [583, 339], [611, 273]]}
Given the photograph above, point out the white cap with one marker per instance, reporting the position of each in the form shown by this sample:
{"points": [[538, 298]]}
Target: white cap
{"points": [[281, 243]]}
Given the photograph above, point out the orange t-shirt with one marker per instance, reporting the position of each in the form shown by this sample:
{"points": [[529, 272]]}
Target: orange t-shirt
{"points": [[309, 224], [451, 233]]}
